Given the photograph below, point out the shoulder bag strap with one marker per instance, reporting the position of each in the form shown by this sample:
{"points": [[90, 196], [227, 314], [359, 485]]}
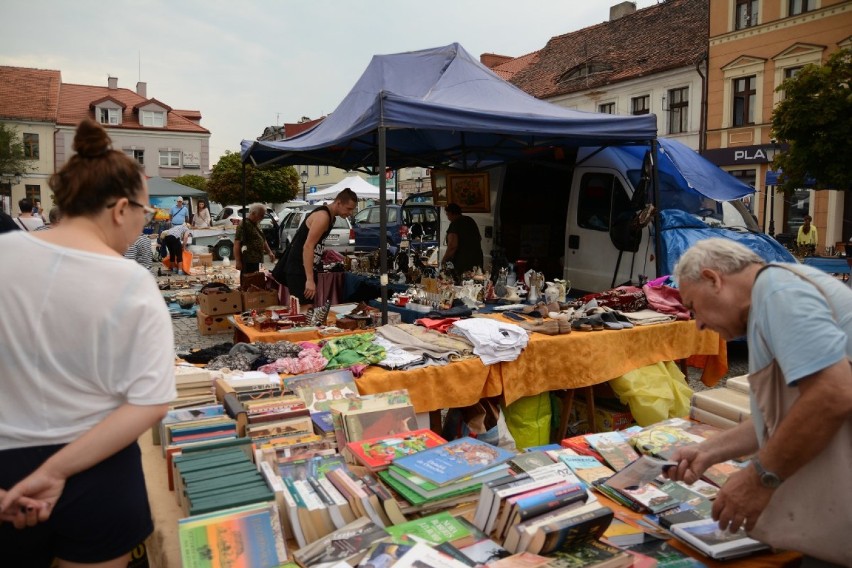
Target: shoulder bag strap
{"points": [[22, 224]]}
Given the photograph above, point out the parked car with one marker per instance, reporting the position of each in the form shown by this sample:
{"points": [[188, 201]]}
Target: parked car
{"points": [[341, 238], [415, 220], [233, 214], [224, 246]]}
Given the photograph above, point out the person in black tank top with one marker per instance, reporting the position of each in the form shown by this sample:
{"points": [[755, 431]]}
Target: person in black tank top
{"points": [[306, 249]]}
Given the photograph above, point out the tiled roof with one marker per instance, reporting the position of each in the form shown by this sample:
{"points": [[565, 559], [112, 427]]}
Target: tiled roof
{"points": [[192, 114], [29, 94], [291, 130], [510, 68], [74, 103], [492, 60], [669, 35]]}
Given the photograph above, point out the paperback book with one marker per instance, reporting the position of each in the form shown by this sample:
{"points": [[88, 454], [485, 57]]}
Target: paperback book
{"points": [[454, 460], [378, 453], [706, 537]]}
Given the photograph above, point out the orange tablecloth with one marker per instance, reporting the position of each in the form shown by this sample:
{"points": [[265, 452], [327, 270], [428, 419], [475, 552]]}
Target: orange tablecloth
{"points": [[578, 359], [246, 334]]}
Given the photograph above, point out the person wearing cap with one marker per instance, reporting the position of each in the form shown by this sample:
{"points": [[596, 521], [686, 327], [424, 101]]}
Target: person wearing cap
{"points": [[179, 212], [464, 242]]}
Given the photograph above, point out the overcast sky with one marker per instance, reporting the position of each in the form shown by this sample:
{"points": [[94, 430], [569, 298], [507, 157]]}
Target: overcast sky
{"points": [[250, 64]]}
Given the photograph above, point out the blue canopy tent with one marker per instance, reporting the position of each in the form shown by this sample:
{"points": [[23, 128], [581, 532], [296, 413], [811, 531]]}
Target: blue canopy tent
{"points": [[441, 107]]}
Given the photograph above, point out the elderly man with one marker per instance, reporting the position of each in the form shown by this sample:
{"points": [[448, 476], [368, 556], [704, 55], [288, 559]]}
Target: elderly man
{"points": [[796, 493], [179, 213], [250, 237]]}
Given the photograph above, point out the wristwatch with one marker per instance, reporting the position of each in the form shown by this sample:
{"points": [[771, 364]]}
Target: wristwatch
{"points": [[768, 479]]}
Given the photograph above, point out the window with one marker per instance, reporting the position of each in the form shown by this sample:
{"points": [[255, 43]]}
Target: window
{"points": [[640, 105], [326, 170], [678, 110], [169, 158], [33, 192], [607, 108], [745, 93], [800, 6], [138, 155], [791, 72], [317, 170], [109, 115], [602, 199], [154, 118], [30, 146], [746, 15]]}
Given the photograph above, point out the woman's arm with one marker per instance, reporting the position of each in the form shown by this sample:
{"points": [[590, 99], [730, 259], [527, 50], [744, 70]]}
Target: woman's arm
{"points": [[32, 499]]}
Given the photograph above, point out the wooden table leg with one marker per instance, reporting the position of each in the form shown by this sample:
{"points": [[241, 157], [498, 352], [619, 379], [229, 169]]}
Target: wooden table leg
{"points": [[435, 423]]}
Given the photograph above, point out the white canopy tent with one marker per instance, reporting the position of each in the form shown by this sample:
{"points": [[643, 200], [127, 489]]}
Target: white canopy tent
{"points": [[362, 188]]}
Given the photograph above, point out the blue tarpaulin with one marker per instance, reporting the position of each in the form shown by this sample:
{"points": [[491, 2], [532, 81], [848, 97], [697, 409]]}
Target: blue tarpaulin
{"points": [[680, 230], [442, 106]]}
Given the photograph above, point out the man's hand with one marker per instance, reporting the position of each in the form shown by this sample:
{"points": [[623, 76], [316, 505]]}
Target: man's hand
{"points": [[741, 501], [310, 289], [692, 462], [32, 499]]}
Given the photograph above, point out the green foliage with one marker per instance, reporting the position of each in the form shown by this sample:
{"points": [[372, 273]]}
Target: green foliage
{"points": [[266, 186], [192, 180], [815, 120], [12, 160]]}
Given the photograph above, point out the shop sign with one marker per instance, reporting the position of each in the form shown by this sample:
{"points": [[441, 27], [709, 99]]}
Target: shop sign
{"points": [[741, 155]]}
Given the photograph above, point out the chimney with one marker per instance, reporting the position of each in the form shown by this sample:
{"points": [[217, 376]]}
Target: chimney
{"points": [[112, 82], [620, 10], [142, 89]]}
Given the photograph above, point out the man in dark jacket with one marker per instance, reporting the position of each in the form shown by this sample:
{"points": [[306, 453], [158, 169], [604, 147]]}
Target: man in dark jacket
{"points": [[464, 243]]}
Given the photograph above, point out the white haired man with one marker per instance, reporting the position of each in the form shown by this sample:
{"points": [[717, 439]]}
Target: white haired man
{"points": [[251, 237], [797, 491]]}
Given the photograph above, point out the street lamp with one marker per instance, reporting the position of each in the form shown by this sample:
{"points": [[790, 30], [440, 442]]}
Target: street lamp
{"points": [[12, 179], [418, 184], [304, 176], [772, 199]]}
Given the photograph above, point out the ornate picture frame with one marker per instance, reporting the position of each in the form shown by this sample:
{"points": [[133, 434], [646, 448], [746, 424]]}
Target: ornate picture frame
{"points": [[472, 192], [439, 187]]}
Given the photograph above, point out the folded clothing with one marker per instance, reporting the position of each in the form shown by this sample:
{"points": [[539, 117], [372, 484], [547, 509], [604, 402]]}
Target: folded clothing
{"points": [[493, 340]]}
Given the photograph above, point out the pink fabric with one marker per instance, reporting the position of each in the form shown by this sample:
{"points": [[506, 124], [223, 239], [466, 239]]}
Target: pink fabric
{"points": [[658, 281], [329, 287], [666, 300], [358, 369], [308, 361], [309, 345], [441, 325]]}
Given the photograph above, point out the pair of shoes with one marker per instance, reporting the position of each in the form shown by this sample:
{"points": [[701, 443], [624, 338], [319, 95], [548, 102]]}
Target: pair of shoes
{"points": [[593, 323], [609, 321], [181, 273], [564, 323], [545, 326]]}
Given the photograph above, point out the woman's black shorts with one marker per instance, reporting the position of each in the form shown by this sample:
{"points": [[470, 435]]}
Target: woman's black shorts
{"points": [[102, 514]]}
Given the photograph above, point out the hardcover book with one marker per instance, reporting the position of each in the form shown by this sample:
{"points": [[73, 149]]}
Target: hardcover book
{"points": [[378, 453], [592, 554], [347, 544], [662, 439], [363, 424], [434, 529], [709, 539], [614, 449], [571, 531], [454, 460], [587, 468]]}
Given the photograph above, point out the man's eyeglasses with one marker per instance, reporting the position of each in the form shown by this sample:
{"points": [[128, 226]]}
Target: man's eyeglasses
{"points": [[149, 211]]}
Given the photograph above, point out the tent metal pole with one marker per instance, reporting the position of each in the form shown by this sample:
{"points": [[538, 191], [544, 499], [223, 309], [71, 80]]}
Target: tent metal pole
{"points": [[383, 222], [244, 186], [658, 218]]}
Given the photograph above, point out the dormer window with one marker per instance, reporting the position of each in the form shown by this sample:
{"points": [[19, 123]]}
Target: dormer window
{"points": [[584, 70], [154, 118], [109, 116]]}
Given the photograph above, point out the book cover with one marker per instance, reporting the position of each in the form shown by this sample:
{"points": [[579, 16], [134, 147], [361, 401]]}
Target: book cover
{"points": [[664, 554], [718, 474], [723, 402], [415, 498], [739, 384], [434, 529], [238, 537], [614, 449], [378, 453], [363, 424], [529, 461], [385, 554], [423, 556], [521, 560], [323, 424], [709, 539], [684, 495], [580, 445], [376, 401], [454, 460], [587, 468], [352, 541], [571, 531], [592, 554], [662, 439]]}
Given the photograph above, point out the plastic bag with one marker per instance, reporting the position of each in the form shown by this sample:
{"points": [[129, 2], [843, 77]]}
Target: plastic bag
{"points": [[528, 419], [483, 420], [654, 393]]}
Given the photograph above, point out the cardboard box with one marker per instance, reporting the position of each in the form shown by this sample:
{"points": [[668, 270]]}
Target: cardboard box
{"points": [[205, 259], [221, 303], [607, 418], [259, 300], [209, 324]]}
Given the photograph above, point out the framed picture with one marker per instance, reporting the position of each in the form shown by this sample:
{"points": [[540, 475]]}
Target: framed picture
{"points": [[471, 192], [439, 188]]}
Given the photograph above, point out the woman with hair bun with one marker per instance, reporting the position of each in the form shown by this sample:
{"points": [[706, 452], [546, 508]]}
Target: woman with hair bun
{"points": [[79, 387]]}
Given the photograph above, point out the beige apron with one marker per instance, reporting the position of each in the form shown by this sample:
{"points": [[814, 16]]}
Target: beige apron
{"points": [[811, 512]]}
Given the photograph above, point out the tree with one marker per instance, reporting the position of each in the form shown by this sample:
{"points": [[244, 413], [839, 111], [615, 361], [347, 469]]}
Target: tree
{"points": [[12, 159], [266, 186], [815, 120], [191, 180]]}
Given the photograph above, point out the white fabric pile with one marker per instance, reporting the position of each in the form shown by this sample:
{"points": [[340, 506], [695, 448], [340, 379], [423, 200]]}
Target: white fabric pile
{"points": [[493, 341]]}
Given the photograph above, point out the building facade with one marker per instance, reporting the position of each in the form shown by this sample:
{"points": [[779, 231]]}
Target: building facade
{"points": [[45, 112], [622, 66], [754, 45]]}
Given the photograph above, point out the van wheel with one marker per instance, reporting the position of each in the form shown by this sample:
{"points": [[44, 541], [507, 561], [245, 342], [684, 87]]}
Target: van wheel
{"points": [[223, 250]]}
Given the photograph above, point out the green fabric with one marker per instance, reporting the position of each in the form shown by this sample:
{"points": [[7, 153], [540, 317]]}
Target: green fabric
{"points": [[351, 350], [250, 237], [528, 420]]}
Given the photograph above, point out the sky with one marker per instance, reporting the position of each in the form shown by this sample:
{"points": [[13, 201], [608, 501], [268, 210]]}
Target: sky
{"points": [[249, 64]]}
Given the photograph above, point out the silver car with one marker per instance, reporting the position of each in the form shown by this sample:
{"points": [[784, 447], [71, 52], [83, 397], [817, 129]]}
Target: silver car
{"points": [[341, 238]]}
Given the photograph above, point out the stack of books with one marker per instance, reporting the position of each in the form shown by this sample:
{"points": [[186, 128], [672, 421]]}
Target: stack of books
{"points": [[376, 454], [446, 474], [372, 416], [722, 407], [194, 386]]}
